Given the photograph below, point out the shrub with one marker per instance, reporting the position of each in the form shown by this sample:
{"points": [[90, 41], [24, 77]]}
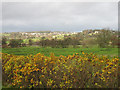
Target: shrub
{"points": [[72, 71], [4, 42], [15, 43]]}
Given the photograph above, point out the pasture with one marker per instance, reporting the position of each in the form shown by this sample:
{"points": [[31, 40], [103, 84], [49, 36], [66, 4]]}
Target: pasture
{"points": [[60, 51]]}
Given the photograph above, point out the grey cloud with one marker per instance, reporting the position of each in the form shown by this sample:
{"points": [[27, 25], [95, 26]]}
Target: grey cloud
{"points": [[58, 16]]}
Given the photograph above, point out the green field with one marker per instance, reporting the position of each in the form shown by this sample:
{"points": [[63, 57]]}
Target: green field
{"points": [[60, 51]]}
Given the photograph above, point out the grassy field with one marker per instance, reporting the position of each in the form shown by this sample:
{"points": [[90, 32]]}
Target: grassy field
{"points": [[60, 51]]}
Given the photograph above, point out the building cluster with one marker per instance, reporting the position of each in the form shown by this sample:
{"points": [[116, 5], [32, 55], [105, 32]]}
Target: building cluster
{"points": [[51, 34], [32, 35]]}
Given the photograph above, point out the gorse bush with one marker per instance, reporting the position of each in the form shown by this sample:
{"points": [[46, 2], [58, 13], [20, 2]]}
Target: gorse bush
{"points": [[72, 71]]}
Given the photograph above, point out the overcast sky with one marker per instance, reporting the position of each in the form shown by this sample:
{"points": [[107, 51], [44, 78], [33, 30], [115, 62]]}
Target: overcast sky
{"points": [[58, 16]]}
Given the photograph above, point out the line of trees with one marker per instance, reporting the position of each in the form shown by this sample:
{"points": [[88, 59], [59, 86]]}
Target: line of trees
{"points": [[12, 43], [59, 43]]}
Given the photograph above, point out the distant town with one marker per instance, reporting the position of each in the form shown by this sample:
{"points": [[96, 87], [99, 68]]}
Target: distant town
{"points": [[32, 35], [46, 34]]}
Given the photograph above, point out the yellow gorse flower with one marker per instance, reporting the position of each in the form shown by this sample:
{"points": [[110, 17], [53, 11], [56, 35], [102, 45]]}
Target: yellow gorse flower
{"points": [[31, 80]]}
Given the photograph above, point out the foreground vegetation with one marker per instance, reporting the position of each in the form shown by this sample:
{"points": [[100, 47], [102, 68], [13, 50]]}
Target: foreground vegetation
{"points": [[60, 51], [80, 70]]}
